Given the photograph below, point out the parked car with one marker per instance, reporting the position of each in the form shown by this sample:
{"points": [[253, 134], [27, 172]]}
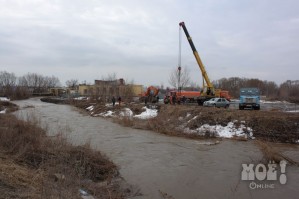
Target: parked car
{"points": [[217, 102]]}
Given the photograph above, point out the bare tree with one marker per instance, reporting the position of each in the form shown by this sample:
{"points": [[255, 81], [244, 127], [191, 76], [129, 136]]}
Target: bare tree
{"points": [[7, 79], [7, 82], [111, 77], [38, 83], [72, 83], [52, 81], [181, 77], [112, 89], [193, 86]]}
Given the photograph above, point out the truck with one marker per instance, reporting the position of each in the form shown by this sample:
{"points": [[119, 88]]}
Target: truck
{"points": [[150, 95], [182, 96], [208, 90], [249, 98]]}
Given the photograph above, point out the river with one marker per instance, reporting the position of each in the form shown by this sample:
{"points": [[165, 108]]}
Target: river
{"points": [[155, 163]]}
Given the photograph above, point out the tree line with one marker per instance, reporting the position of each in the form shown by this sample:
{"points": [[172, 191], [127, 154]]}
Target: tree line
{"points": [[288, 90], [26, 85]]}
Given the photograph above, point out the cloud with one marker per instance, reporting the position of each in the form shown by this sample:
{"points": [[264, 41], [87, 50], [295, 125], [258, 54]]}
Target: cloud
{"points": [[139, 39]]}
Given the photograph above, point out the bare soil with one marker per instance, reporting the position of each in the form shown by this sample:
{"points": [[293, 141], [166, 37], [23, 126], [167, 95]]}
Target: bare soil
{"points": [[273, 126], [10, 107]]}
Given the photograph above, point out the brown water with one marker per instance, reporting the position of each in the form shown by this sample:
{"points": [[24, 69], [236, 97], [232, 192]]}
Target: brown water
{"points": [[156, 163]]}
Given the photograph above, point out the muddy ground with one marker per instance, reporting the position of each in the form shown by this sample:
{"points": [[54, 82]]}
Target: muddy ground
{"points": [[274, 126]]}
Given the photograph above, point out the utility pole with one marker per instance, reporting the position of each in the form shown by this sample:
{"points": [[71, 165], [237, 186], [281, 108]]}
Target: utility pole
{"points": [[179, 80]]}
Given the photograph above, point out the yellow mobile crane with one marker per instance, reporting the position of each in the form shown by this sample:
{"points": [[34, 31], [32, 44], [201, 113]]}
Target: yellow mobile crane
{"points": [[208, 88]]}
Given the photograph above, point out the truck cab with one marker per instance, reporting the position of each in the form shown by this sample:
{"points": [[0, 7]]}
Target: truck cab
{"points": [[249, 98]]}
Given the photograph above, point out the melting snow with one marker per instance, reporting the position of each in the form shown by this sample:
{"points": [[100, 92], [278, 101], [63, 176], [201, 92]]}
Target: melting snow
{"points": [[193, 118], [90, 108], [148, 113], [81, 98], [108, 113], [4, 99], [109, 105], [3, 111], [274, 102], [293, 111], [222, 131], [126, 113], [105, 114]]}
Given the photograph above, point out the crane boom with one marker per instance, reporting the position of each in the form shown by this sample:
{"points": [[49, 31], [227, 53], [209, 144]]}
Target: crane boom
{"points": [[199, 62]]}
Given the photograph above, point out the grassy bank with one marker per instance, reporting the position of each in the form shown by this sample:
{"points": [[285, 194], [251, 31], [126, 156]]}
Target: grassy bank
{"points": [[172, 120], [36, 166]]}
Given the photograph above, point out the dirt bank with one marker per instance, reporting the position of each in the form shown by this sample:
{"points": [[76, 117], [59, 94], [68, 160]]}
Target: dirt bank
{"points": [[7, 107], [36, 166], [202, 122]]}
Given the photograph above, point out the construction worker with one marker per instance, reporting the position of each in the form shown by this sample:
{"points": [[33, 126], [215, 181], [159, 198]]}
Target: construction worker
{"points": [[119, 100], [174, 99], [184, 99], [113, 101]]}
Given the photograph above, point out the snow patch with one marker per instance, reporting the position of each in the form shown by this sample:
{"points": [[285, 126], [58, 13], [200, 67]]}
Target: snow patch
{"points": [[293, 111], [90, 108], [147, 114], [126, 113], [228, 131], [81, 98], [4, 99], [105, 114], [274, 102], [193, 118], [108, 113], [109, 105], [3, 111]]}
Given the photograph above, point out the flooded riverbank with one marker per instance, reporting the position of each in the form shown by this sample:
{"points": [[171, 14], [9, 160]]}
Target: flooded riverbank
{"points": [[157, 163]]}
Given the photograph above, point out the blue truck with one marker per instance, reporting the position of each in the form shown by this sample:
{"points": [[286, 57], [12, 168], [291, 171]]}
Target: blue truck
{"points": [[249, 98]]}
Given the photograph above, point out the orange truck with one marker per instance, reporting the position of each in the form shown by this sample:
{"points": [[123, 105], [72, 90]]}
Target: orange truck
{"points": [[190, 96], [181, 96], [150, 95]]}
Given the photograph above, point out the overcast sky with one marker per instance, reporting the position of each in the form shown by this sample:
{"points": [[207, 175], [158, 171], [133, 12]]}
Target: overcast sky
{"points": [[139, 39]]}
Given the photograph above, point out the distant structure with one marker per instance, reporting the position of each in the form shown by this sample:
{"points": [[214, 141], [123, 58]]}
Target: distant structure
{"points": [[105, 89]]}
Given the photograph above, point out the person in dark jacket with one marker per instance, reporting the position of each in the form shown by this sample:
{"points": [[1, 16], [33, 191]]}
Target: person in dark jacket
{"points": [[184, 99], [119, 100], [113, 101], [174, 99]]}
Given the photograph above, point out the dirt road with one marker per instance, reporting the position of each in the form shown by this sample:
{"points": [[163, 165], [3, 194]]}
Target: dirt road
{"points": [[163, 166]]}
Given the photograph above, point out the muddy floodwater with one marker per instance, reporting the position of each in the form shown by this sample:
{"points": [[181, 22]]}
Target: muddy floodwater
{"points": [[159, 165]]}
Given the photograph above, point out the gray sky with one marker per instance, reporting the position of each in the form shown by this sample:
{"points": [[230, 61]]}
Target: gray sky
{"points": [[138, 39]]}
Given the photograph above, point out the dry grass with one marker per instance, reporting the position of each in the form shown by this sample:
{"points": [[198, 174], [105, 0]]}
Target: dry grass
{"points": [[268, 126], [35, 166], [10, 107], [270, 153], [271, 126]]}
